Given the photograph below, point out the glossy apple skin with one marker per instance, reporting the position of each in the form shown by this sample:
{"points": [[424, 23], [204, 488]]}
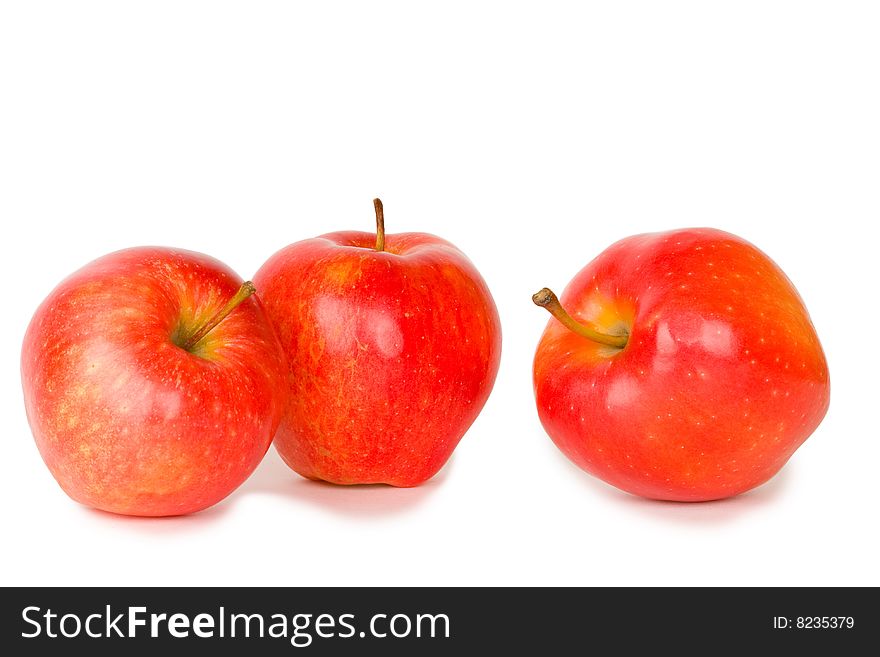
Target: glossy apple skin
{"points": [[392, 354], [127, 421], [722, 378]]}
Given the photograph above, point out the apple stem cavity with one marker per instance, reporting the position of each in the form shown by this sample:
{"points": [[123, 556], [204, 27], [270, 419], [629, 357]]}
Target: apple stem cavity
{"points": [[547, 299], [247, 289], [380, 224]]}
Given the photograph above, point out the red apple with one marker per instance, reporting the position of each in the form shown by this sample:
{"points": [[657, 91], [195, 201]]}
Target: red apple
{"points": [[393, 344], [688, 368], [153, 384]]}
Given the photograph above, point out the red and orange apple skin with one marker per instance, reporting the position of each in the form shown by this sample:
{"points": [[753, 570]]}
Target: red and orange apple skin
{"points": [[126, 420], [392, 354], [721, 380]]}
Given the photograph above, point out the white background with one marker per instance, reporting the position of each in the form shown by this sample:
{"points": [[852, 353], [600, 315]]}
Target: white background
{"points": [[532, 135]]}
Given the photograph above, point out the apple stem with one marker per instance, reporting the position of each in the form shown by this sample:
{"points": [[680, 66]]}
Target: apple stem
{"points": [[546, 299], [247, 289], [380, 224]]}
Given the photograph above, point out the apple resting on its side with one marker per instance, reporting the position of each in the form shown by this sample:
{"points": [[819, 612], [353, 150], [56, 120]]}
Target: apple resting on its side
{"points": [[153, 384], [687, 370], [393, 344]]}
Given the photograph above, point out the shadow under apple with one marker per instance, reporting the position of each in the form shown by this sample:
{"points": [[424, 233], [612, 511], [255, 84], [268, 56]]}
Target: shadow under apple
{"points": [[166, 524], [273, 477], [690, 513]]}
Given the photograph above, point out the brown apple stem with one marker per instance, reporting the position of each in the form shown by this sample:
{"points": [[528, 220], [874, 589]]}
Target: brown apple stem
{"points": [[546, 299], [380, 224], [247, 289]]}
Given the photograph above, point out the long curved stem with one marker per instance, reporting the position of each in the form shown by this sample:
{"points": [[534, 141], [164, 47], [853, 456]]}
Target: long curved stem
{"points": [[247, 289], [380, 224], [547, 299]]}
